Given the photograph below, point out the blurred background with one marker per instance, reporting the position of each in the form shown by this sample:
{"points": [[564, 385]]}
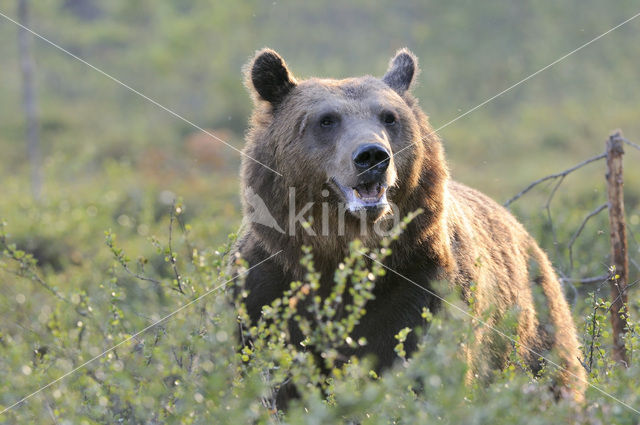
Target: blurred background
{"points": [[109, 159], [105, 159]]}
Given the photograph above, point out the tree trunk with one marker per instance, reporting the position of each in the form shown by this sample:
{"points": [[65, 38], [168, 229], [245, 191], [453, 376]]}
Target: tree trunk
{"points": [[27, 68]]}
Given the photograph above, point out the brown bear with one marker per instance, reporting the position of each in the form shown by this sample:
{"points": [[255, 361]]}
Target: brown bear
{"points": [[327, 160]]}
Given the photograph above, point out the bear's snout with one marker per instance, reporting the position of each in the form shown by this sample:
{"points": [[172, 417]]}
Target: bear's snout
{"points": [[371, 158]]}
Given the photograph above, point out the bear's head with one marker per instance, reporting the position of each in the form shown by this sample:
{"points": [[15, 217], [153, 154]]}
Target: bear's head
{"points": [[361, 144]]}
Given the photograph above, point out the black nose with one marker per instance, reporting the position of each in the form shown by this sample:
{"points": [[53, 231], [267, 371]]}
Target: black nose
{"points": [[371, 156]]}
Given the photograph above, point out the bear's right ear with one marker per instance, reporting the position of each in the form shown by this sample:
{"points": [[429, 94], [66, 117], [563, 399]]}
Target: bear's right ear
{"points": [[268, 75]]}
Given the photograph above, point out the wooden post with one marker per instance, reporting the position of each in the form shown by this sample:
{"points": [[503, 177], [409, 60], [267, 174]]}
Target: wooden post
{"points": [[619, 259], [29, 95]]}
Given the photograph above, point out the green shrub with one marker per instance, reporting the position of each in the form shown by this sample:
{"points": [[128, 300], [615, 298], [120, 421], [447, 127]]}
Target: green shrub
{"points": [[190, 368]]}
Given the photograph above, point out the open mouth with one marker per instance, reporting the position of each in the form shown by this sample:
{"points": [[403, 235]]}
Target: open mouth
{"points": [[370, 193], [365, 195]]}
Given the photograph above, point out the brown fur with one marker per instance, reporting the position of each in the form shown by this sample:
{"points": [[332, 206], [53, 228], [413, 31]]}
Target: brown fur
{"points": [[462, 236]]}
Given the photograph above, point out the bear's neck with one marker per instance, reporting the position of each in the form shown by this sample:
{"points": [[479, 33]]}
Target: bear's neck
{"points": [[424, 238]]}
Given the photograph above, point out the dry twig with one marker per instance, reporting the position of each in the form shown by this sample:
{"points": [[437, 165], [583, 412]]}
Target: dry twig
{"points": [[577, 233], [561, 174]]}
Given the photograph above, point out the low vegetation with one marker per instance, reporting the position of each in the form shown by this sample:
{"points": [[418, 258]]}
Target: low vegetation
{"points": [[88, 314]]}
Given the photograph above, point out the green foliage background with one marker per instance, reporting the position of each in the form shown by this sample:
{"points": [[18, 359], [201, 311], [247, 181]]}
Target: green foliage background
{"points": [[114, 162]]}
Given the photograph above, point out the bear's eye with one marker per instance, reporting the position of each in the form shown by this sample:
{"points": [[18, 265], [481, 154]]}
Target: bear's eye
{"points": [[328, 120], [388, 118]]}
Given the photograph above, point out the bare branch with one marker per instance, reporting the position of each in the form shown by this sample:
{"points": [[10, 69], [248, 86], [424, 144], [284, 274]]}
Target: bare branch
{"points": [[554, 176], [547, 207], [594, 279], [547, 204], [621, 293], [577, 233], [630, 143]]}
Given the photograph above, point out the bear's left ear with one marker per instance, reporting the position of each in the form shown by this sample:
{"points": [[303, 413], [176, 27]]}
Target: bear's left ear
{"points": [[267, 73], [402, 71]]}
